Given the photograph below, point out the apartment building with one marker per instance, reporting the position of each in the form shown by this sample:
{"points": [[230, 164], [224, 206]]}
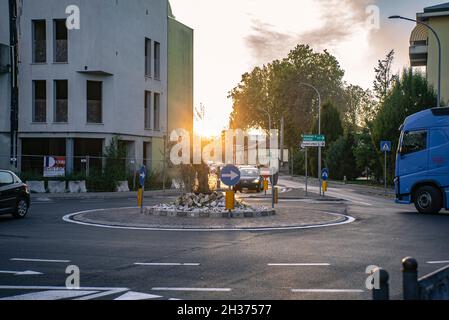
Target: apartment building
{"points": [[79, 88], [424, 47]]}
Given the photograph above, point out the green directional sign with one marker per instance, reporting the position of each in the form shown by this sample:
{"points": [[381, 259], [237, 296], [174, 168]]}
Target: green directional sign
{"points": [[313, 140]]}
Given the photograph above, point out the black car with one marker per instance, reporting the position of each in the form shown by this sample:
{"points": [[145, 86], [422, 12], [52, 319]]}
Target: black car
{"points": [[250, 180], [14, 195]]}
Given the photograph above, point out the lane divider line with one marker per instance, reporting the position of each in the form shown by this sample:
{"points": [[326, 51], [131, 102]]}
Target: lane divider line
{"points": [[299, 264], [40, 260], [327, 291], [192, 289], [157, 264]]}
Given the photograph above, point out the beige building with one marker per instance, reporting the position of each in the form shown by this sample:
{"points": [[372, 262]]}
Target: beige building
{"points": [[424, 47]]}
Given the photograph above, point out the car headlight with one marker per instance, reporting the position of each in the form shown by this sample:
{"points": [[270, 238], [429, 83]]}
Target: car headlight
{"points": [[256, 181]]}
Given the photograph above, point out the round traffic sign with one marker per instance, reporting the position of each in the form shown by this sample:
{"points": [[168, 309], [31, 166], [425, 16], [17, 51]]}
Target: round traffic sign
{"points": [[230, 175]]}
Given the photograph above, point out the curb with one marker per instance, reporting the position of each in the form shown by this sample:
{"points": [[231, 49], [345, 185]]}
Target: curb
{"points": [[343, 219]]}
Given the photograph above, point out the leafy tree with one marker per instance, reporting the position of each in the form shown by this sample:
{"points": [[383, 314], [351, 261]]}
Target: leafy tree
{"points": [[410, 94], [384, 77], [340, 158], [276, 88], [360, 108]]}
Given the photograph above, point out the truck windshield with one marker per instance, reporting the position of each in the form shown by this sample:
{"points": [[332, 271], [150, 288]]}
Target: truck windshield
{"points": [[413, 141]]}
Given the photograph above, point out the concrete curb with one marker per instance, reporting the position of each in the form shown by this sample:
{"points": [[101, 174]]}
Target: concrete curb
{"points": [[341, 219]]}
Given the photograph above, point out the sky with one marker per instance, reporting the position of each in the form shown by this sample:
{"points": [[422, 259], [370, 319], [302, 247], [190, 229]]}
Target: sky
{"points": [[234, 36]]}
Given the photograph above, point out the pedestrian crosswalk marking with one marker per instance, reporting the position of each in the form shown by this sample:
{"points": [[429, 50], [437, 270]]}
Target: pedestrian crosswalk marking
{"points": [[131, 295], [50, 295]]}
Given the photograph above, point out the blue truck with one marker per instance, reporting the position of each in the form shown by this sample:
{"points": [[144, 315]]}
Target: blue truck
{"points": [[422, 163]]}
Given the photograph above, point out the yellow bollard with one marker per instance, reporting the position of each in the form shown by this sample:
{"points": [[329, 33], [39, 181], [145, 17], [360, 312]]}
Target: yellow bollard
{"points": [[276, 195], [265, 185], [324, 186], [230, 200], [140, 197]]}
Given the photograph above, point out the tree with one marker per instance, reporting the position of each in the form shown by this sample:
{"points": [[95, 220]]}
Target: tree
{"points": [[360, 108], [384, 77], [340, 158], [331, 127], [276, 88], [410, 94]]}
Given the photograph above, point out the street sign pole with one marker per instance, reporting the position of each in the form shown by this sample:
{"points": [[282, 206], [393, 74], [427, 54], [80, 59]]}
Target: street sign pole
{"points": [[385, 147], [307, 173], [385, 172]]}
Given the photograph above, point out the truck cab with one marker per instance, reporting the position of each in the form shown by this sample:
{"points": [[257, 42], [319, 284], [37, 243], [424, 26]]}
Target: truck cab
{"points": [[422, 163]]}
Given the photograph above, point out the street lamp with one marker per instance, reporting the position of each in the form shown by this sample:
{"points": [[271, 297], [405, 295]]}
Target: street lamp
{"points": [[319, 130], [439, 50]]}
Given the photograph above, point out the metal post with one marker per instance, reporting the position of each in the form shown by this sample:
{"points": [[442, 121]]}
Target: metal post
{"points": [[383, 293], [410, 278], [385, 172], [307, 173], [319, 132], [87, 167], [164, 173], [282, 140], [292, 162]]}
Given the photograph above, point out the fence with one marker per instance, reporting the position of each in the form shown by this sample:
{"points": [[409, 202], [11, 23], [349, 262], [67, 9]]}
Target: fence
{"points": [[434, 286]]}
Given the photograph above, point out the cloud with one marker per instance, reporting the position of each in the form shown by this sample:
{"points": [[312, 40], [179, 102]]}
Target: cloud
{"points": [[340, 19]]}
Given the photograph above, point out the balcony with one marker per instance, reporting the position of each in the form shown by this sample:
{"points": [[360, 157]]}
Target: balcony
{"points": [[419, 46]]}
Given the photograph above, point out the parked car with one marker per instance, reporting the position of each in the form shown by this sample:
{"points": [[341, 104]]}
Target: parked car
{"points": [[14, 195], [250, 180]]}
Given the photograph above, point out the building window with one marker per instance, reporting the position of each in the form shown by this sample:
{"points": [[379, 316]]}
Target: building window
{"points": [[61, 101], [147, 57], [39, 101], [157, 111], [60, 46], [157, 60], [94, 101], [39, 41], [147, 154], [147, 110]]}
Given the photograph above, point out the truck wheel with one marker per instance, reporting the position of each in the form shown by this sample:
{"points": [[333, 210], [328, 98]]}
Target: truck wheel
{"points": [[428, 200]]}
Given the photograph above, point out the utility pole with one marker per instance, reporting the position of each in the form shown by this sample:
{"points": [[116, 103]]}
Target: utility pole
{"points": [[14, 56]]}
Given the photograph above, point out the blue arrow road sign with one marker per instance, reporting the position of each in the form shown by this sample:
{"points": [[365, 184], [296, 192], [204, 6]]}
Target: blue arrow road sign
{"points": [[142, 175], [230, 175], [325, 174], [385, 146]]}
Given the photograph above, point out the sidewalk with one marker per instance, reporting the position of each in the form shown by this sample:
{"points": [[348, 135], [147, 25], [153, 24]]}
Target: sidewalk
{"points": [[364, 189]]}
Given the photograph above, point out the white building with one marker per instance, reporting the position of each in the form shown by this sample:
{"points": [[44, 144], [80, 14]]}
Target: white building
{"points": [[79, 88]]}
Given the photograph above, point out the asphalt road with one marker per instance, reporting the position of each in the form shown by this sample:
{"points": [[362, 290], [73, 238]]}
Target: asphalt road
{"points": [[327, 263]]}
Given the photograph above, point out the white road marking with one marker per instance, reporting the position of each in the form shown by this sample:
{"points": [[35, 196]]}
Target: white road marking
{"points": [[68, 218], [59, 288], [299, 264], [192, 289], [438, 262], [40, 260], [327, 291], [50, 295], [133, 296], [168, 264], [102, 294], [22, 273]]}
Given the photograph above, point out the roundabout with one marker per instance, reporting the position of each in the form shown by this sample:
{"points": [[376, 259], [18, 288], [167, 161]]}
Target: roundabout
{"points": [[286, 218]]}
